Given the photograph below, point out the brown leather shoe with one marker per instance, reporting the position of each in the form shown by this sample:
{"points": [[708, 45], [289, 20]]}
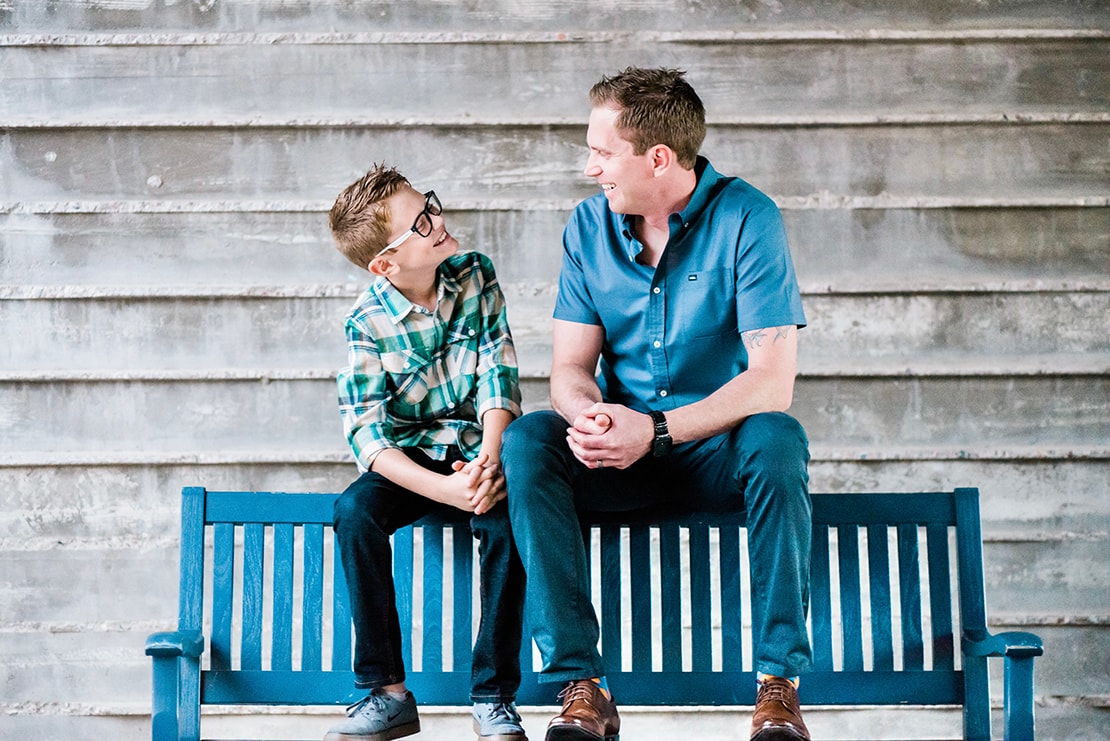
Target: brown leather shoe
{"points": [[588, 714], [778, 716]]}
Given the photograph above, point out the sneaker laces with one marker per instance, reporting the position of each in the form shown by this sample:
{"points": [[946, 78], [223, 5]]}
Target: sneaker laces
{"points": [[374, 698], [504, 711]]}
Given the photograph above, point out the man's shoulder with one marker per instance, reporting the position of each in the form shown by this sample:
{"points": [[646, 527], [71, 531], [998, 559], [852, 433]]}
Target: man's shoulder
{"points": [[594, 208], [739, 193]]}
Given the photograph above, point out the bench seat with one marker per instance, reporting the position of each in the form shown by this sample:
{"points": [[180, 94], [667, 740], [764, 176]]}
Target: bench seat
{"points": [[896, 578]]}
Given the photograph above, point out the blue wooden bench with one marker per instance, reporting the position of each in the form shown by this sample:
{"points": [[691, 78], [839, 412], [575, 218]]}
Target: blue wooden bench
{"points": [[261, 586]]}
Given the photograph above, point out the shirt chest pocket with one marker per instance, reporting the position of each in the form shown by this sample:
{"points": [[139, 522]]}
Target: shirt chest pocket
{"points": [[461, 352], [451, 367], [706, 303], [407, 373]]}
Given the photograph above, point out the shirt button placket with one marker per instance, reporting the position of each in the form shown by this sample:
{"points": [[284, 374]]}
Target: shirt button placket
{"points": [[657, 324]]}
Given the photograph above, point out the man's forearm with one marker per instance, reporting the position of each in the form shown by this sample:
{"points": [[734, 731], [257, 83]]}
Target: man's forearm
{"points": [[740, 398], [766, 386], [572, 390]]}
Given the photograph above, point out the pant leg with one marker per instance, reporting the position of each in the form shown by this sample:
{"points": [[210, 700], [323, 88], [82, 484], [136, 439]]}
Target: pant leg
{"points": [[366, 514], [548, 536], [495, 672], [762, 465], [547, 487]]}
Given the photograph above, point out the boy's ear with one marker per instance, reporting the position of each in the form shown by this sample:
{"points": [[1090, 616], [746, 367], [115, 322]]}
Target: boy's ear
{"points": [[381, 266]]}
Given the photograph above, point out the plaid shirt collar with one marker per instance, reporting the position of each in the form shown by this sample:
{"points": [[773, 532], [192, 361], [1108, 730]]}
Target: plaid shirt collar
{"points": [[397, 307]]}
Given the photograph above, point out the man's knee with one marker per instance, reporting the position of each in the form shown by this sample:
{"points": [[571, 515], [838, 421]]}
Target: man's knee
{"points": [[773, 444], [774, 433], [527, 436], [493, 524]]}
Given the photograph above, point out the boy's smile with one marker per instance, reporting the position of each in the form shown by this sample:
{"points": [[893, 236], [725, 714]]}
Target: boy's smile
{"points": [[413, 250], [420, 243]]}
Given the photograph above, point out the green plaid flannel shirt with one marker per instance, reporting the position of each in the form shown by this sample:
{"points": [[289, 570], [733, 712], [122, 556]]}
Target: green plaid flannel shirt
{"points": [[423, 379]]}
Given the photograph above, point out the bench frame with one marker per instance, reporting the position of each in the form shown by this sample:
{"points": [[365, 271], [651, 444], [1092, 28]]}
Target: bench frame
{"points": [[261, 582]]}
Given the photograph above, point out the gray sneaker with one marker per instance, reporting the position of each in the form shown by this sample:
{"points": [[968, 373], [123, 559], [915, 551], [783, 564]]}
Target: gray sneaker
{"points": [[498, 721], [378, 717]]}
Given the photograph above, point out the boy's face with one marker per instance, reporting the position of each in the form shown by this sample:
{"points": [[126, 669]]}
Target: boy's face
{"points": [[416, 252]]}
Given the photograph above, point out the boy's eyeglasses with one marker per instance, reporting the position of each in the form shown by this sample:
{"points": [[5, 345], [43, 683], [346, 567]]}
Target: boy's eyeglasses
{"points": [[423, 223]]}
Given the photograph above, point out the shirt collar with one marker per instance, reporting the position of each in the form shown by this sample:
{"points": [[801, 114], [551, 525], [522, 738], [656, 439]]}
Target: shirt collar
{"points": [[707, 178], [703, 191], [397, 307]]}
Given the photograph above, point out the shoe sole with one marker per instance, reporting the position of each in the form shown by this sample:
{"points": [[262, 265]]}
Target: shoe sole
{"points": [[779, 734], [401, 731], [497, 736], [570, 733]]}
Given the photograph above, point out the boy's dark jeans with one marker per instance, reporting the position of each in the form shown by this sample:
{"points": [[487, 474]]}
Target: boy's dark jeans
{"points": [[366, 514]]}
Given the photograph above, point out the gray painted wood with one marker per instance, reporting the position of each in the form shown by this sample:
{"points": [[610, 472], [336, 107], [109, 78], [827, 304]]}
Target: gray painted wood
{"points": [[197, 169], [948, 247], [558, 16], [165, 170], [316, 80]]}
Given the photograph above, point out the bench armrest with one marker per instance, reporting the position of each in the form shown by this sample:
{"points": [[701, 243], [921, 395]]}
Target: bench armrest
{"points": [[1017, 649], [186, 643], [1012, 644], [175, 703]]}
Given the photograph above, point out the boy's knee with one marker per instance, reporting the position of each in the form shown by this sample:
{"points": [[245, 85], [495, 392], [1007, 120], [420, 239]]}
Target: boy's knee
{"points": [[492, 524], [353, 511]]}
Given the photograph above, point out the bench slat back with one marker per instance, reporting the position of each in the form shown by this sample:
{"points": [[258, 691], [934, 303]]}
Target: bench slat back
{"points": [[672, 597]]}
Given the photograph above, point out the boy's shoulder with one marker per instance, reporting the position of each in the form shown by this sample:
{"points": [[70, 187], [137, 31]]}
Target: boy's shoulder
{"points": [[376, 305], [462, 263], [467, 272]]}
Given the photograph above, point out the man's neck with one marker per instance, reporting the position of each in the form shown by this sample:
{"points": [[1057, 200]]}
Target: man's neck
{"points": [[653, 228]]}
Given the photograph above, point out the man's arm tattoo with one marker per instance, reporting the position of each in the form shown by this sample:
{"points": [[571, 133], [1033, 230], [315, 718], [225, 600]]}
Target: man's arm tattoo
{"points": [[755, 337]]}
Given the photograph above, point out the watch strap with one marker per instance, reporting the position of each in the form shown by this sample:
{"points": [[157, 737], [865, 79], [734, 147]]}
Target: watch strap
{"points": [[660, 423]]}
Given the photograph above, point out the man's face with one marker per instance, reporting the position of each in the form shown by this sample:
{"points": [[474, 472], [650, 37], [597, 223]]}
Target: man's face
{"points": [[623, 176]]}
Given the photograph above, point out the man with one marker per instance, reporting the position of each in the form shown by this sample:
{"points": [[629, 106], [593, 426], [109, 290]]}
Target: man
{"points": [[680, 282]]}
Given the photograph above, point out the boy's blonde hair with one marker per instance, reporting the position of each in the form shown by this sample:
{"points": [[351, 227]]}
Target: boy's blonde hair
{"points": [[360, 218]]}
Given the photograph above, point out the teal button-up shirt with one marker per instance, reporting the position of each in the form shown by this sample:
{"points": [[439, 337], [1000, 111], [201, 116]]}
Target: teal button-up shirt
{"points": [[672, 333]]}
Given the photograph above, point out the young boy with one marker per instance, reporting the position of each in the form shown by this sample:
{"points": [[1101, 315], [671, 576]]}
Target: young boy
{"points": [[431, 385]]}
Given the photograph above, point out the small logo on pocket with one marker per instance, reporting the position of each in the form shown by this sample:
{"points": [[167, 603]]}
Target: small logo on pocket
{"points": [[692, 276]]}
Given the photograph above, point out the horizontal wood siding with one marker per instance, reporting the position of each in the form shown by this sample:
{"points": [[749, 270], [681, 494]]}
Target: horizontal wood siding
{"points": [[170, 297]]}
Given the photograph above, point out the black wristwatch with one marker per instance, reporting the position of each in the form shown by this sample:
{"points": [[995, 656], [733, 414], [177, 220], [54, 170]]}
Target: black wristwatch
{"points": [[661, 445]]}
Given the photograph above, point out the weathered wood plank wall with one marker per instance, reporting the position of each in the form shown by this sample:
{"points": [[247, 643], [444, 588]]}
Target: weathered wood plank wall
{"points": [[170, 299]]}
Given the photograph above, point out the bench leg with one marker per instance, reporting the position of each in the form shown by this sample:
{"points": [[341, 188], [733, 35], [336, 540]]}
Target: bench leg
{"points": [[175, 705], [1018, 698], [164, 725]]}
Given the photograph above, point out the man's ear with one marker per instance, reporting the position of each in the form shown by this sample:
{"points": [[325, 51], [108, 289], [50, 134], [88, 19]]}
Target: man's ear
{"points": [[381, 266], [662, 157]]}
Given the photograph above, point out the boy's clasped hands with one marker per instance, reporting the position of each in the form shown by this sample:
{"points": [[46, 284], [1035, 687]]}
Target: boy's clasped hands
{"points": [[477, 485]]}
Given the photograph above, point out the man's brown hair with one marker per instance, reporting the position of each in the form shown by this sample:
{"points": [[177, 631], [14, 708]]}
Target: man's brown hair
{"points": [[360, 218], [657, 106]]}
